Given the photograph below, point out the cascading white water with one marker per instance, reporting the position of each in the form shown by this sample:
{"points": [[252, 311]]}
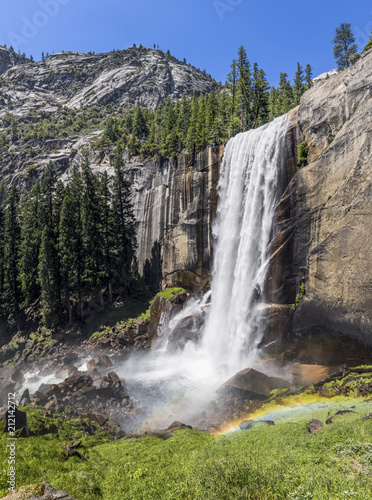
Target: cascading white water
{"points": [[249, 189]]}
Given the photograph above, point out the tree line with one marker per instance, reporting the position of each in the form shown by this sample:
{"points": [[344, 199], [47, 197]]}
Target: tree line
{"points": [[61, 245], [246, 101]]}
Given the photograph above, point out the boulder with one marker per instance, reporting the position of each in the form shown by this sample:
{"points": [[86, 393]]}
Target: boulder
{"points": [[187, 330], [38, 398], [95, 417], [99, 362], [25, 398], [252, 384], [315, 426], [38, 491], [246, 424], [178, 425]]}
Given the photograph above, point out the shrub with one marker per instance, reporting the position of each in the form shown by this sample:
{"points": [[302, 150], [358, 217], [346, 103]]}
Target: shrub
{"points": [[302, 153]]}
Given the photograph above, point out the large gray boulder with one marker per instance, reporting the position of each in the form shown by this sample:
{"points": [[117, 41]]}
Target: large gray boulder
{"points": [[252, 384]]}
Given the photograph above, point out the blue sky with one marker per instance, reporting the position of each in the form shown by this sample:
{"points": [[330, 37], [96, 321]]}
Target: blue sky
{"points": [[206, 32]]}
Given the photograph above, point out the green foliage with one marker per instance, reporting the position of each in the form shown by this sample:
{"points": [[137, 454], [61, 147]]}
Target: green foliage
{"points": [[302, 153], [302, 292], [344, 46], [61, 245], [369, 44], [169, 293]]}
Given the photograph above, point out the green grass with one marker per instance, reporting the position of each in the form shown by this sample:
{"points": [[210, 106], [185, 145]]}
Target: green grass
{"points": [[267, 462]]}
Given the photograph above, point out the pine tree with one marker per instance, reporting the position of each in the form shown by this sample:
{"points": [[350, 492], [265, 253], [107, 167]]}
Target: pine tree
{"points": [[183, 119], [344, 45], [260, 97], [104, 202], [123, 235], [231, 84], [299, 87], [91, 236], [201, 133], [273, 105], [285, 94], [191, 132], [48, 257], [244, 86], [139, 128], [31, 230], [71, 245], [49, 279], [11, 290], [308, 76], [369, 44]]}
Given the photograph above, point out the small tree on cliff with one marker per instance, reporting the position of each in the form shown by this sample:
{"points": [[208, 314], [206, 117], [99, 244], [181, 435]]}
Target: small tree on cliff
{"points": [[344, 46]]}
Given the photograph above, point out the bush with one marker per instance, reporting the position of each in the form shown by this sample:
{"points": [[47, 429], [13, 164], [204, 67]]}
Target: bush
{"points": [[302, 153]]}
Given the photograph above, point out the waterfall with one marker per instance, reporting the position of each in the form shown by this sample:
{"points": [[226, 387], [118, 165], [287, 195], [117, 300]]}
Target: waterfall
{"points": [[179, 376], [249, 188]]}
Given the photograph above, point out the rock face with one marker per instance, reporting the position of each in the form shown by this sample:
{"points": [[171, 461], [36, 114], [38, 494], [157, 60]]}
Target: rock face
{"points": [[325, 218], [8, 59], [131, 77], [175, 203]]}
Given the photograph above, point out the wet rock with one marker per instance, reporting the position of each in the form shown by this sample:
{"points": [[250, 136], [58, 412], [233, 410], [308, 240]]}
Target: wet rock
{"points": [[95, 417], [315, 426], [187, 330], [163, 435], [344, 412], [70, 358], [246, 425], [25, 398], [99, 362], [38, 398], [177, 425], [252, 384]]}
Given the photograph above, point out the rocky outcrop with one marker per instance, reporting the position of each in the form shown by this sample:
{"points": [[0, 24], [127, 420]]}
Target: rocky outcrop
{"points": [[8, 58], [252, 384], [127, 78], [174, 204], [38, 491], [325, 224]]}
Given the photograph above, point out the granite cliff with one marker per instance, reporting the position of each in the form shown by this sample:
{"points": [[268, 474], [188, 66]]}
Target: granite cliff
{"points": [[325, 223]]}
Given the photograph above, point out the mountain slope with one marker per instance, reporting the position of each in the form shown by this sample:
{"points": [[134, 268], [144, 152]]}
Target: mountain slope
{"points": [[126, 78]]}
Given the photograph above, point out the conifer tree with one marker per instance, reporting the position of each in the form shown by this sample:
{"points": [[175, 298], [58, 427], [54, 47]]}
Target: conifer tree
{"points": [[90, 225], [11, 289], [244, 86], [285, 94], [31, 229], [105, 201], [231, 84], [298, 88], [48, 269], [123, 233], [260, 97], [191, 133], [344, 45], [308, 76]]}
